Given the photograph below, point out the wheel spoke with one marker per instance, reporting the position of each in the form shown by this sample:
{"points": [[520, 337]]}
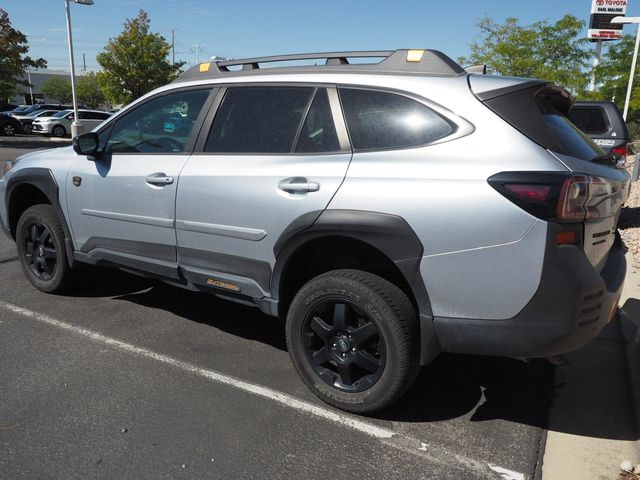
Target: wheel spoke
{"points": [[345, 372], [34, 233], [340, 316], [47, 267], [321, 356], [50, 253], [44, 236], [364, 333], [320, 328], [29, 257], [366, 361], [29, 247]]}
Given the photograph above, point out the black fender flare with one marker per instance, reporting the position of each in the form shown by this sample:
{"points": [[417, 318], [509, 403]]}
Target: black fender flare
{"points": [[390, 234], [44, 180]]}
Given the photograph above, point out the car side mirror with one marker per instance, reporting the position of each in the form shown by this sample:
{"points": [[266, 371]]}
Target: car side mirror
{"points": [[87, 144]]}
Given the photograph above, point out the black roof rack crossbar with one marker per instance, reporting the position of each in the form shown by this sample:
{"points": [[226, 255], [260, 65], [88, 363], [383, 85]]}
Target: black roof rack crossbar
{"points": [[428, 62]]}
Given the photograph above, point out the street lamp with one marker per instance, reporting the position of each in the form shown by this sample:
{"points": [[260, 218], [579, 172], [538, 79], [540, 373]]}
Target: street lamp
{"points": [[76, 127], [628, 20]]}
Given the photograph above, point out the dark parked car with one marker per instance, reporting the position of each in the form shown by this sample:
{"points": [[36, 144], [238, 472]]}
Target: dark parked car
{"points": [[41, 106], [8, 125], [6, 107], [603, 122]]}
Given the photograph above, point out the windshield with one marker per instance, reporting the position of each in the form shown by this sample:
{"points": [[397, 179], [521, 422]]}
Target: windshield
{"points": [[30, 109]]}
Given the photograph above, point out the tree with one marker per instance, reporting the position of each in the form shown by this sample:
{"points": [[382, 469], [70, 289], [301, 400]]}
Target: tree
{"points": [[613, 76], [556, 52], [13, 59], [57, 88], [89, 90], [135, 62]]}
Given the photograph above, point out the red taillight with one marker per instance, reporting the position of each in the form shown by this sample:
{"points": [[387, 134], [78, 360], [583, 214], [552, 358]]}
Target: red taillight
{"points": [[622, 150], [559, 197], [573, 199], [539, 193]]}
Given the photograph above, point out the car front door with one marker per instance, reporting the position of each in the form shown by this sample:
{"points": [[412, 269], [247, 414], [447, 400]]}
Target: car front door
{"points": [[272, 155], [121, 205]]}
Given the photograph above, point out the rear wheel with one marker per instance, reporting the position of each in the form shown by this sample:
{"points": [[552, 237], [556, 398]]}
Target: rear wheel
{"points": [[352, 337], [40, 245], [59, 131]]}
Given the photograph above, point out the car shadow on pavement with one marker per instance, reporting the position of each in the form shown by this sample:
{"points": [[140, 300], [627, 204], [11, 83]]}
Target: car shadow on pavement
{"points": [[465, 387], [629, 218]]}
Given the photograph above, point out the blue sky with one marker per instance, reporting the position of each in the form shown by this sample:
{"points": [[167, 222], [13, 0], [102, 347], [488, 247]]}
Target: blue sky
{"points": [[245, 28]]}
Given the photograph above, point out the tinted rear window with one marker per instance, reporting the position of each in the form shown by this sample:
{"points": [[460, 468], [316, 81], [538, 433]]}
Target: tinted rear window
{"points": [[382, 120], [574, 142], [258, 119], [590, 120], [539, 113]]}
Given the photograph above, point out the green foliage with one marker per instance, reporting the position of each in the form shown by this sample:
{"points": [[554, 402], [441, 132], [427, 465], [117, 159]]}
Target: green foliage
{"points": [[613, 75], [556, 52], [89, 91], [57, 88], [13, 59], [135, 62]]}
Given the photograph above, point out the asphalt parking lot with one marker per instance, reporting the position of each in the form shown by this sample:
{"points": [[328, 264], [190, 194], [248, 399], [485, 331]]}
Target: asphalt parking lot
{"points": [[130, 378]]}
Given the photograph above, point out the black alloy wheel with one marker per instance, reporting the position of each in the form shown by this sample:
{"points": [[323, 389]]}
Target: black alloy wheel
{"points": [[40, 251], [353, 338], [344, 345], [40, 241]]}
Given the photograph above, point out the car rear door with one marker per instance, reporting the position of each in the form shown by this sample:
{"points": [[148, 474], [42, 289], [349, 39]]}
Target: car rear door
{"points": [[122, 204], [273, 154]]}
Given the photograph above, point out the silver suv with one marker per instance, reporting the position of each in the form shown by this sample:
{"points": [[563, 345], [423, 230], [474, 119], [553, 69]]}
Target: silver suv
{"points": [[389, 210]]}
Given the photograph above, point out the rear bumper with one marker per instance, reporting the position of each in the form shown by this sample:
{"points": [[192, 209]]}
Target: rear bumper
{"points": [[572, 305]]}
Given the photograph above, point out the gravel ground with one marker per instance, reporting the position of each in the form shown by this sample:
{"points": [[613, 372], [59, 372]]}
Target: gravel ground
{"points": [[629, 223]]}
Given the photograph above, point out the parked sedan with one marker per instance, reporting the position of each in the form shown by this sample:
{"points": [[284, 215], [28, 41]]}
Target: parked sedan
{"points": [[8, 125], [59, 124], [26, 120]]}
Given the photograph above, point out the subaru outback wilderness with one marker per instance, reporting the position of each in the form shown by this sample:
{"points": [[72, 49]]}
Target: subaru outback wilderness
{"points": [[389, 210]]}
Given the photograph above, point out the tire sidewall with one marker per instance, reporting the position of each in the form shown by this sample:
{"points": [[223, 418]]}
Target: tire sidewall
{"points": [[331, 288], [44, 214]]}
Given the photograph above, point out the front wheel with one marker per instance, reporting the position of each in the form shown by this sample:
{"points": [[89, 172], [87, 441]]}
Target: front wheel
{"points": [[40, 245], [8, 129], [353, 338]]}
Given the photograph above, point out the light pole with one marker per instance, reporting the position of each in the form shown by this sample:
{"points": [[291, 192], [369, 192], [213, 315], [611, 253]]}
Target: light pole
{"points": [[76, 127], [628, 20]]}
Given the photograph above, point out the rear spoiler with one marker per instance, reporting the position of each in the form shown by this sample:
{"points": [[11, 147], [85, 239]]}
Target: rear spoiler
{"points": [[481, 69]]}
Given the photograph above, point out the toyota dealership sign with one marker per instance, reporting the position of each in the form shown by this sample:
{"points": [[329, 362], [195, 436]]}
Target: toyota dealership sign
{"points": [[602, 12]]}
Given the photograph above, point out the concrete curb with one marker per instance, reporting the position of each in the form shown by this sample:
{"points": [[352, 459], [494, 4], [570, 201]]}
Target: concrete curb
{"points": [[631, 334], [630, 327]]}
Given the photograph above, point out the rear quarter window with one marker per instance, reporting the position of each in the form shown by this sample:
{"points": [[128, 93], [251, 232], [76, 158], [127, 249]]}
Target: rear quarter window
{"points": [[379, 120]]}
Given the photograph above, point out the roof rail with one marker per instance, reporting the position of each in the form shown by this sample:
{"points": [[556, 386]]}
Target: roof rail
{"points": [[426, 62]]}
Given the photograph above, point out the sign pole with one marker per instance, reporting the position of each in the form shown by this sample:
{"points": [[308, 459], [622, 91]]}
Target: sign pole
{"points": [[632, 75], [596, 62]]}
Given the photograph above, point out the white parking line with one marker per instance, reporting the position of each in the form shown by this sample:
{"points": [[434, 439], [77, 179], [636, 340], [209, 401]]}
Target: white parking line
{"points": [[430, 452]]}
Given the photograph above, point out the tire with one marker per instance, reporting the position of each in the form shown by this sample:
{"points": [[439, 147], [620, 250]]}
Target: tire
{"points": [[41, 249], [353, 339], [8, 129], [27, 129], [58, 131]]}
